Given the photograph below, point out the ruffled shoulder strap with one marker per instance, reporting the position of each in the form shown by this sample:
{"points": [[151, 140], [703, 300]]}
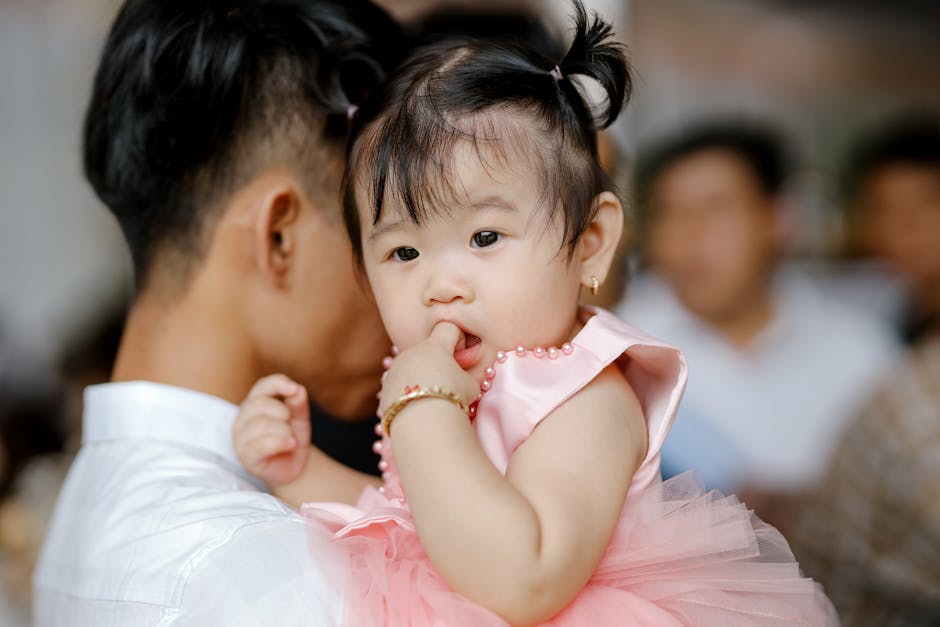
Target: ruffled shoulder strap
{"points": [[529, 385]]}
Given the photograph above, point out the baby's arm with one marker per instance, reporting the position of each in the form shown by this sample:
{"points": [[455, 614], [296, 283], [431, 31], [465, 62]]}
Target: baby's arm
{"points": [[272, 440], [525, 544]]}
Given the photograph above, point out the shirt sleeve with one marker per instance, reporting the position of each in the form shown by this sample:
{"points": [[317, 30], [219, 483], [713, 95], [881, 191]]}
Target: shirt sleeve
{"points": [[265, 574]]}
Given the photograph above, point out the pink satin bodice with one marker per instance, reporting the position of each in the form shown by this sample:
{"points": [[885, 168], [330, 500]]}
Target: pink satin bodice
{"points": [[526, 389]]}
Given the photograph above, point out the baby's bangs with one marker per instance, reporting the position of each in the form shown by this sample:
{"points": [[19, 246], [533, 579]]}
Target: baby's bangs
{"points": [[408, 157]]}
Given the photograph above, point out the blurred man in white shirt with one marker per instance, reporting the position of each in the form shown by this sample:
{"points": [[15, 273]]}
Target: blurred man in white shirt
{"points": [[776, 367], [215, 136]]}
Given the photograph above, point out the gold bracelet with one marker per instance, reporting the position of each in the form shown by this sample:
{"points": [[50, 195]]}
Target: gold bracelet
{"points": [[434, 392]]}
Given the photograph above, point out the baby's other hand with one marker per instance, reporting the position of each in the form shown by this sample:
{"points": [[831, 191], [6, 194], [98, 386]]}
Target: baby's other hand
{"points": [[427, 364], [272, 431]]}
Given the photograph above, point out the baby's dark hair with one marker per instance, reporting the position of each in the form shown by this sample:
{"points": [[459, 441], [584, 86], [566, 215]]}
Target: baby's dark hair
{"points": [[449, 91]]}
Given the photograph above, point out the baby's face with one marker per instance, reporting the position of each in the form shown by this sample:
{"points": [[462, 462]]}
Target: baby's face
{"points": [[492, 264]]}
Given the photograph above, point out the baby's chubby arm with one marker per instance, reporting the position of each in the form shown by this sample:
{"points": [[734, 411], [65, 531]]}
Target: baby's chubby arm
{"points": [[272, 440], [525, 544]]}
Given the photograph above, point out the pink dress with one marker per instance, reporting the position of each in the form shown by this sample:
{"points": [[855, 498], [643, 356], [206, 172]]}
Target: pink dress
{"points": [[678, 556]]}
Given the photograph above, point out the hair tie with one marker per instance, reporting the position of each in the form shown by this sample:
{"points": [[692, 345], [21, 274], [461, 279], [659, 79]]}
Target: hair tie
{"points": [[351, 112], [556, 72]]}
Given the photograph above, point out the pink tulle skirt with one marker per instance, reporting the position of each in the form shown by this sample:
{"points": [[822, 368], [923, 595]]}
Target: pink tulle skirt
{"points": [[679, 556]]}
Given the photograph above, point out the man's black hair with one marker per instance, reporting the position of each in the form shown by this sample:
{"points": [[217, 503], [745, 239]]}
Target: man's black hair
{"points": [[913, 140], [192, 98], [508, 25], [510, 101], [759, 149]]}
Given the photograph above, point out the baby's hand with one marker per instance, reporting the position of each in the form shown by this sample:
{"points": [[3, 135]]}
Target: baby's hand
{"points": [[272, 431], [427, 364]]}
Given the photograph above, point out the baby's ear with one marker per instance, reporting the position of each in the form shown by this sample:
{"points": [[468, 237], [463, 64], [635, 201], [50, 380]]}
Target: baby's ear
{"points": [[598, 244]]}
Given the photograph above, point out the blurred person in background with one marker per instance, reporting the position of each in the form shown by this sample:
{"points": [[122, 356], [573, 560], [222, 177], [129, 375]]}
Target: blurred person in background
{"points": [[893, 202], [215, 136], [777, 367], [40, 431], [32, 435], [870, 532]]}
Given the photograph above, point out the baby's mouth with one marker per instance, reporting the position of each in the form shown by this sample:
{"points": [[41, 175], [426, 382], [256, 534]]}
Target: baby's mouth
{"points": [[468, 350], [467, 340]]}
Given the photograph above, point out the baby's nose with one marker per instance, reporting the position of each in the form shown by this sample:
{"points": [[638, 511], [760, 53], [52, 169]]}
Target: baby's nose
{"points": [[448, 286]]}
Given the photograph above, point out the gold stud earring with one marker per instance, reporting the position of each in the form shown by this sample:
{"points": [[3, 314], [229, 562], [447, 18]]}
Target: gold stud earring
{"points": [[595, 284]]}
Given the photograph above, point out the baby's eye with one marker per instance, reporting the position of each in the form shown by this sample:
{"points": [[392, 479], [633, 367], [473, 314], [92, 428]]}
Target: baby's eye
{"points": [[484, 239], [405, 253]]}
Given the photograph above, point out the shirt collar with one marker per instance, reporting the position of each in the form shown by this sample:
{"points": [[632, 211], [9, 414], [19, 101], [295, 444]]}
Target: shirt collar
{"points": [[142, 410]]}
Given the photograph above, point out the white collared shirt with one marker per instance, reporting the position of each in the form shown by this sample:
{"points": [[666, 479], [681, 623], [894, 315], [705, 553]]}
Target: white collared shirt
{"points": [[158, 524], [767, 417]]}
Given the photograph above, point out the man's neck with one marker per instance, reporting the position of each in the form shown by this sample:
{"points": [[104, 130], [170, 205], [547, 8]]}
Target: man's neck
{"points": [[929, 299], [743, 324], [923, 315], [186, 346]]}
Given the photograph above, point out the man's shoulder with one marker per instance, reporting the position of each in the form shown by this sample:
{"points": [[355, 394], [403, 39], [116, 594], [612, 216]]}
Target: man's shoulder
{"points": [[148, 485], [133, 521]]}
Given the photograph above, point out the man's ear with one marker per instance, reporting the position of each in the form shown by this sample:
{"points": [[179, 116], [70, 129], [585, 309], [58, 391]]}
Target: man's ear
{"points": [[277, 227], [598, 244]]}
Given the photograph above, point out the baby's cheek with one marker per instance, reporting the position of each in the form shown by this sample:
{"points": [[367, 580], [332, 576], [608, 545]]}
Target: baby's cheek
{"points": [[398, 319], [403, 331], [547, 317]]}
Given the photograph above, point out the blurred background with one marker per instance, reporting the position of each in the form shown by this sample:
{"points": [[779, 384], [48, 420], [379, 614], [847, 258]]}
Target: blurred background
{"points": [[798, 316]]}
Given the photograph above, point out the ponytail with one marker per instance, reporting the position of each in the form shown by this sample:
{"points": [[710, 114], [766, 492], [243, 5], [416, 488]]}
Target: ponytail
{"points": [[594, 54]]}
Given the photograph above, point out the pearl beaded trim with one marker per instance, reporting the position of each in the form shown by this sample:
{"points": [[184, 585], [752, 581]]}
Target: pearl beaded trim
{"points": [[486, 385]]}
